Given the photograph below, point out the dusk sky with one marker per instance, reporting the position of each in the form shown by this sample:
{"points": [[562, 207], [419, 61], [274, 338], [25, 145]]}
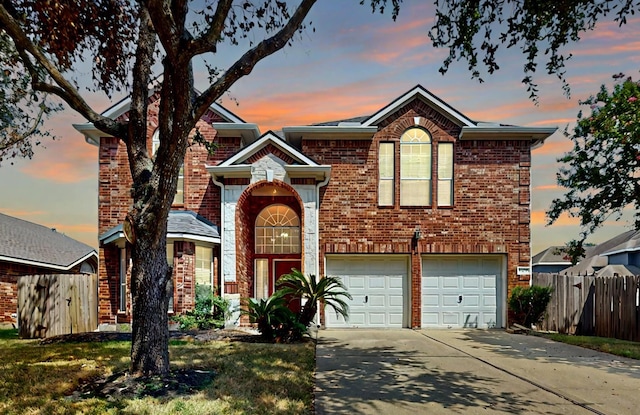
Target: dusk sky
{"points": [[354, 64]]}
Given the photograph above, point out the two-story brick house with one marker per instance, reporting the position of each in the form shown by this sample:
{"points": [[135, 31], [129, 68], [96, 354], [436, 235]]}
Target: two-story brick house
{"points": [[422, 212]]}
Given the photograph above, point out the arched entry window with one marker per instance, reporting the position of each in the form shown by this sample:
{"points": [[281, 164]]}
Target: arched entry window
{"points": [[277, 231]]}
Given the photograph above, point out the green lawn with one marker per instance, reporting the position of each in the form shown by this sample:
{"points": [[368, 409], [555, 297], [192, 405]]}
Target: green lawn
{"points": [[614, 346], [250, 378]]}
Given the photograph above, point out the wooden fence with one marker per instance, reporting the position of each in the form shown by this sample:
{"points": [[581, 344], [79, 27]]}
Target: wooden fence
{"points": [[593, 306], [51, 305]]}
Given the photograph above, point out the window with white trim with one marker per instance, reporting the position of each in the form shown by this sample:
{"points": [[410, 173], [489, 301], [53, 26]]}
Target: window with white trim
{"points": [[415, 168], [386, 174], [277, 231], [262, 278], [204, 267], [445, 174]]}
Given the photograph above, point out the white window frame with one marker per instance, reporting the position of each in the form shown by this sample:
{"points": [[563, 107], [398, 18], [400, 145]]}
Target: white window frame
{"points": [[415, 144], [277, 231], [386, 174], [445, 174]]}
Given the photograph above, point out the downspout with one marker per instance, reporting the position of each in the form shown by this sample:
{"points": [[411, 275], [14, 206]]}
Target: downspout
{"points": [[317, 224], [221, 261]]}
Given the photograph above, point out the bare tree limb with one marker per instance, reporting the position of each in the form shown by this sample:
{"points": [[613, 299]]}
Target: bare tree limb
{"points": [[247, 62]]}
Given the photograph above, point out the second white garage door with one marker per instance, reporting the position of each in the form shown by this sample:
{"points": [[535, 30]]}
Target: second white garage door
{"points": [[462, 291], [377, 285]]}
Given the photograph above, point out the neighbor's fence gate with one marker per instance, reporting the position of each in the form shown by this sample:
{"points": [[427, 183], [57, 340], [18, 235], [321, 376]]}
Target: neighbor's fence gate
{"points": [[51, 305], [593, 306]]}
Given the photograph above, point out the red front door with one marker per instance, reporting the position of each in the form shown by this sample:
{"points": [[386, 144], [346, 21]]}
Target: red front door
{"points": [[282, 267]]}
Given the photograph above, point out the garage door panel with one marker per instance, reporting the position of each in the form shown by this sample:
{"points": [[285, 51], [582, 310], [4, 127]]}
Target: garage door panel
{"points": [[396, 301], [452, 319], [459, 291], [449, 300], [377, 301], [431, 300], [377, 282], [450, 282], [355, 282], [377, 286], [469, 282], [471, 301]]}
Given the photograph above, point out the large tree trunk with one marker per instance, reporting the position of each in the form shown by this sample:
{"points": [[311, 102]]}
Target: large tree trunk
{"points": [[151, 277]]}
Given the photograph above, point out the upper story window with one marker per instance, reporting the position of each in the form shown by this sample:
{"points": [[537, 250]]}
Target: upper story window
{"points": [[277, 231], [415, 168], [416, 176], [178, 199]]}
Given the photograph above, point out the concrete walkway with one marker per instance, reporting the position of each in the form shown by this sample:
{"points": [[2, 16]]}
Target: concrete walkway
{"points": [[468, 372]]}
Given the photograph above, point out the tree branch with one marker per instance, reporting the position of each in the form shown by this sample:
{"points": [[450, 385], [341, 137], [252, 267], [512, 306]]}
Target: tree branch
{"points": [[65, 89], [247, 62], [208, 41]]}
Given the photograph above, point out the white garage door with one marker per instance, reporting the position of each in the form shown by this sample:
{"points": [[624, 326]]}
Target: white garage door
{"points": [[377, 285], [461, 291]]}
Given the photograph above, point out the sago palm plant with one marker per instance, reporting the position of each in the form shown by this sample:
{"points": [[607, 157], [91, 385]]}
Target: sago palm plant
{"points": [[329, 290]]}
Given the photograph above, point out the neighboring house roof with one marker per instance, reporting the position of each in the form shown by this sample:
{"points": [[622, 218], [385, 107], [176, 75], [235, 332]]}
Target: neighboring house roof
{"points": [[553, 255], [597, 257], [28, 243], [182, 224]]}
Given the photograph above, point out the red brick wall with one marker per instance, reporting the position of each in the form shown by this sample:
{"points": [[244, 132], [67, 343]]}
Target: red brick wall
{"points": [[491, 199], [201, 196]]}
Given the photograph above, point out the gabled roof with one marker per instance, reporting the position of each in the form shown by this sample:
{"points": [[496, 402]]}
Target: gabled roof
{"points": [[553, 255], [236, 166], [421, 93], [364, 128], [597, 256], [233, 125], [28, 243], [182, 224]]}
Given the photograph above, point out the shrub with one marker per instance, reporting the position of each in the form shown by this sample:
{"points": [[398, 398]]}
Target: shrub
{"points": [[529, 303], [329, 290], [210, 311], [274, 320]]}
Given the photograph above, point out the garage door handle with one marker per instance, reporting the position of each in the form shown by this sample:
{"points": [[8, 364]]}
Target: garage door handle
{"points": [[366, 299], [459, 299]]}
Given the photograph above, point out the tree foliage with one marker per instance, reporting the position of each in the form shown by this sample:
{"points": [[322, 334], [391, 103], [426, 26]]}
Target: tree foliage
{"points": [[602, 171], [474, 31], [22, 110]]}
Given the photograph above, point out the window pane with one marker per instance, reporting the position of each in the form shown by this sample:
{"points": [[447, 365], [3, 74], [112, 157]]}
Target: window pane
{"points": [[277, 231], [262, 279], [445, 161], [122, 306], [415, 192], [179, 197], [385, 193], [203, 266], [386, 160], [445, 192]]}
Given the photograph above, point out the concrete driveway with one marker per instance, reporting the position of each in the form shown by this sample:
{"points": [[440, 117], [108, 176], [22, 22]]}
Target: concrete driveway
{"points": [[468, 372]]}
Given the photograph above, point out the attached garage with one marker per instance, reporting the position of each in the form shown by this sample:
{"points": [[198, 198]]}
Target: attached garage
{"points": [[462, 291], [379, 288]]}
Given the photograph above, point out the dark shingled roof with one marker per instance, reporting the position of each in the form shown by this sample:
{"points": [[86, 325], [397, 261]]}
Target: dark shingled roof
{"points": [[551, 255], [189, 222], [185, 222], [21, 241]]}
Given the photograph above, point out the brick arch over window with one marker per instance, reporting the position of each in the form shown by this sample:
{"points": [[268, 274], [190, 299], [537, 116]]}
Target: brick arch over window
{"points": [[247, 209]]}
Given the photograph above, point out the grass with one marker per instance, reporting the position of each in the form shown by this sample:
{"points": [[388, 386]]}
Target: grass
{"points": [[249, 378], [616, 347]]}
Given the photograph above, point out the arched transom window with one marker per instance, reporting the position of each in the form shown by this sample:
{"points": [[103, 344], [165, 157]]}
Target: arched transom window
{"points": [[277, 231]]}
